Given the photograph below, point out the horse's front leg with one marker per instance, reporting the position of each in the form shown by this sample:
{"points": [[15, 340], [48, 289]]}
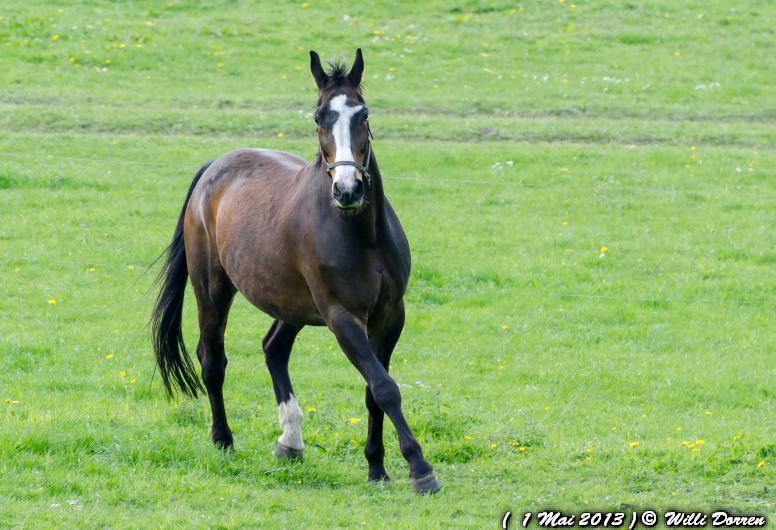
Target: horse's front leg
{"points": [[383, 339], [352, 337]]}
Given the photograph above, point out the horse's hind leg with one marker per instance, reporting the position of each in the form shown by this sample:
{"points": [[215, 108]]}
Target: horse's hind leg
{"points": [[277, 350], [214, 292]]}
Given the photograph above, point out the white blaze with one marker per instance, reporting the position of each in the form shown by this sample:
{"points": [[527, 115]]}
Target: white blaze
{"points": [[290, 416], [341, 133]]}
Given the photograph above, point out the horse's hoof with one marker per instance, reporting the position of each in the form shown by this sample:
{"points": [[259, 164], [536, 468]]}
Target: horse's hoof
{"points": [[426, 485], [225, 443], [381, 479], [283, 452]]}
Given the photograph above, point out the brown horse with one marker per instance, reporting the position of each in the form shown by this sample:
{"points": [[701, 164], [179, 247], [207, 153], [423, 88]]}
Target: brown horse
{"points": [[309, 244]]}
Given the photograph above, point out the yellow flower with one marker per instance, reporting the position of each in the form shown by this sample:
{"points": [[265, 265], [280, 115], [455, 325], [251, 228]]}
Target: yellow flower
{"points": [[699, 442], [760, 464], [355, 421], [148, 23], [523, 449], [633, 444], [109, 356], [468, 437], [604, 249], [92, 269], [738, 436], [504, 328], [690, 446], [493, 446], [123, 374], [53, 301], [305, 5], [312, 409], [12, 401], [707, 413], [121, 46], [220, 65], [280, 135], [132, 381], [564, 223], [55, 38], [130, 267]]}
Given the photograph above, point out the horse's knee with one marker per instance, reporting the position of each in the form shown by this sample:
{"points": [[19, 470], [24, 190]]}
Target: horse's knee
{"points": [[386, 393], [276, 359], [371, 404]]}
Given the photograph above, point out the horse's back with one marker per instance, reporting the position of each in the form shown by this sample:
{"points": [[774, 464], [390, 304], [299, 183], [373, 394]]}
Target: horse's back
{"points": [[245, 180], [255, 164]]}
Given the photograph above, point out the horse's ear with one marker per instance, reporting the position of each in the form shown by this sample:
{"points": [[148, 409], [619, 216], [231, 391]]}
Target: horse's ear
{"points": [[357, 70], [315, 67]]}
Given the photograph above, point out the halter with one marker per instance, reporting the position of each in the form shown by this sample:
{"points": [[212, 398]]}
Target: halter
{"points": [[363, 169]]}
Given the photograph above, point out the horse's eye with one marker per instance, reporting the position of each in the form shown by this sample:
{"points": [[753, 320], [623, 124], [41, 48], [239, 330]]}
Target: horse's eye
{"points": [[316, 120]]}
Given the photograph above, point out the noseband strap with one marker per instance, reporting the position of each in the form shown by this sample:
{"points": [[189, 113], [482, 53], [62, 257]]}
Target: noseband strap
{"points": [[363, 169]]}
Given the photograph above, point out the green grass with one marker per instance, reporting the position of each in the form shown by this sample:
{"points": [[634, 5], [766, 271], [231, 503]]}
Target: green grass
{"points": [[530, 363]]}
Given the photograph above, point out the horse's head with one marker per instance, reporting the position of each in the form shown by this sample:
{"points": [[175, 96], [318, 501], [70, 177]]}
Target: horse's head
{"points": [[343, 130]]}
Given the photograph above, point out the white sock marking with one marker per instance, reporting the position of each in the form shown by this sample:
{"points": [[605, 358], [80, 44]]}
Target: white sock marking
{"points": [[290, 416]]}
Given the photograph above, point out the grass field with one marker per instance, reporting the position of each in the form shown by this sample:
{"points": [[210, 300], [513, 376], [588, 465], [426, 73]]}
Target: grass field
{"points": [[589, 192]]}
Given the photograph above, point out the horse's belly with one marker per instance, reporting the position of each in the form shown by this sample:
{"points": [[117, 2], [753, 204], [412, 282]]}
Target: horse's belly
{"points": [[269, 281], [289, 305], [258, 260]]}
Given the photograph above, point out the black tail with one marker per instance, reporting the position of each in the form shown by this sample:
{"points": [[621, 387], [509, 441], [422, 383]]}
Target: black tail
{"points": [[171, 356]]}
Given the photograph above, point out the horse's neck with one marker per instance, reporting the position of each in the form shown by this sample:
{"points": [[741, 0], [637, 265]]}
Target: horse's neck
{"points": [[375, 214]]}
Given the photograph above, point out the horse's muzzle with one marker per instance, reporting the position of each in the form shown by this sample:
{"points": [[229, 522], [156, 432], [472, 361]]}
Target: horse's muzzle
{"points": [[348, 195]]}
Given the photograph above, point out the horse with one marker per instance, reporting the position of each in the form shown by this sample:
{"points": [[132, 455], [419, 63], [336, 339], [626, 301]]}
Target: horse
{"points": [[310, 244]]}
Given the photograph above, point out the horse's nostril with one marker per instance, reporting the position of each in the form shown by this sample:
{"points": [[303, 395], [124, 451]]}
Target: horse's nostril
{"points": [[347, 194]]}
